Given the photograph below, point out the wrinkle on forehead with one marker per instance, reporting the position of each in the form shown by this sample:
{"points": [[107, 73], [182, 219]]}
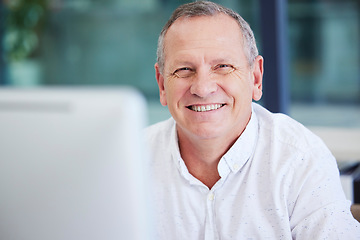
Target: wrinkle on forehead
{"points": [[219, 33]]}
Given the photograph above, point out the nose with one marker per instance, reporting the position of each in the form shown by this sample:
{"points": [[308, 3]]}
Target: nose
{"points": [[202, 84]]}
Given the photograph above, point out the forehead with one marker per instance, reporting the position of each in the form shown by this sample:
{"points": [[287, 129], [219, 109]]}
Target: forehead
{"points": [[220, 33]]}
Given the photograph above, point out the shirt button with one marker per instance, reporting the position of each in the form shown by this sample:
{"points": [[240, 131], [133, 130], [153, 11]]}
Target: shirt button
{"points": [[236, 167], [211, 196]]}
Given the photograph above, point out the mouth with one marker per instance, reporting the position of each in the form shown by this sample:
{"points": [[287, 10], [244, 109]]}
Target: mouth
{"points": [[205, 108]]}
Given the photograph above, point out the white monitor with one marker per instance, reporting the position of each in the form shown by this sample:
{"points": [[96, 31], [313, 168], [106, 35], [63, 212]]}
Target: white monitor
{"points": [[71, 164]]}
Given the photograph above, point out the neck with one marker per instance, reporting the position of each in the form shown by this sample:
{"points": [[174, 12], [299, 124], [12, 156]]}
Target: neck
{"points": [[202, 157]]}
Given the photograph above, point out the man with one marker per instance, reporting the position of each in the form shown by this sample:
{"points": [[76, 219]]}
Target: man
{"points": [[223, 167]]}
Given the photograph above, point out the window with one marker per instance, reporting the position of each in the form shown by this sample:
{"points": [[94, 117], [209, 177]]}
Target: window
{"points": [[324, 39], [113, 42]]}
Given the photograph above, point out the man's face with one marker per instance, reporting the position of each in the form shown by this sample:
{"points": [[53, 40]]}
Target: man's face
{"points": [[207, 82]]}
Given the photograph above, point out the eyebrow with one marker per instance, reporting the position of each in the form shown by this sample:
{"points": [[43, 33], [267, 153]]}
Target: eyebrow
{"points": [[229, 60], [180, 62]]}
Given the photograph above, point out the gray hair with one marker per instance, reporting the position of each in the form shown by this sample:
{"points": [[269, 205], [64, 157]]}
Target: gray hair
{"points": [[206, 8]]}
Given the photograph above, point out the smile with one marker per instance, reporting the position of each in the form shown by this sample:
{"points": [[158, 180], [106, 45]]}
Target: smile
{"points": [[205, 108]]}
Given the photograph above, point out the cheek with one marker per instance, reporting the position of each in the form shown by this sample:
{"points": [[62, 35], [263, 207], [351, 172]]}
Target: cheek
{"points": [[175, 90], [238, 86]]}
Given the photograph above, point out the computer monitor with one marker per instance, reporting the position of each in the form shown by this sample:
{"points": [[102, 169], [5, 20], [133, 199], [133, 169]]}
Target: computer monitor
{"points": [[71, 164]]}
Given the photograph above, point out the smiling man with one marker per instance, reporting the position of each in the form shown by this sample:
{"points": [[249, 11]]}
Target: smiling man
{"points": [[224, 167]]}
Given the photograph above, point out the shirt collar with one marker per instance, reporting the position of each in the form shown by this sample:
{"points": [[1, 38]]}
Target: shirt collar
{"points": [[243, 148], [175, 152], [233, 160]]}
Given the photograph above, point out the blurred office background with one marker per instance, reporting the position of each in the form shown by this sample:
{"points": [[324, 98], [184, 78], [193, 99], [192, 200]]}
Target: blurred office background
{"points": [[113, 42]]}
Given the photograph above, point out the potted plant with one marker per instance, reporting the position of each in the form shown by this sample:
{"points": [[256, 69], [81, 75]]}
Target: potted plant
{"points": [[24, 22]]}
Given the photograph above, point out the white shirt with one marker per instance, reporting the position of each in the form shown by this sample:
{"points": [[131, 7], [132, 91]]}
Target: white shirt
{"points": [[278, 181]]}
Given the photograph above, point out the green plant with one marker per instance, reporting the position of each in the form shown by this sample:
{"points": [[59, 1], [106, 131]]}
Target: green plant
{"points": [[25, 19]]}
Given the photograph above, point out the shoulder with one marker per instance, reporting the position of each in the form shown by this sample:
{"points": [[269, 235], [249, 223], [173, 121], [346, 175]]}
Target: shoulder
{"points": [[295, 148], [159, 132], [285, 130]]}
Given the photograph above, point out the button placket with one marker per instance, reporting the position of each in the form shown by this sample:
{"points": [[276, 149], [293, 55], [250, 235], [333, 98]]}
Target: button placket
{"points": [[211, 196], [210, 229]]}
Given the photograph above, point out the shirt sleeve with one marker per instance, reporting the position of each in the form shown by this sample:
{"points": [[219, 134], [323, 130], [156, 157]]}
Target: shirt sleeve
{"points": [[320, 209], [333, 221]]}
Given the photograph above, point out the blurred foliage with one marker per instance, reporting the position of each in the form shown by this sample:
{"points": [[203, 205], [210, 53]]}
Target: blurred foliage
{"points": [[24, 21]]}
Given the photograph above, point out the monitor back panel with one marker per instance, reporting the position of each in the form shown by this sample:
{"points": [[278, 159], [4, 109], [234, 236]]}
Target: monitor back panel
{"points": [[71, 165]]}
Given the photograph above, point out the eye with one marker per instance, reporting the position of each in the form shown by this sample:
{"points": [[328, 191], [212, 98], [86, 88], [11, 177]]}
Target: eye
{"points": [[223, 66], [223, 69], [183, 72]]}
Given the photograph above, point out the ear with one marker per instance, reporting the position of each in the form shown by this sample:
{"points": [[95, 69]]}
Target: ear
{"points": [[258, 72], [160, 82]]}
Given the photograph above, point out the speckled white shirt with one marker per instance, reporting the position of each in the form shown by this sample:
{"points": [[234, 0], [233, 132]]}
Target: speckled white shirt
{"points": [[278, 181]]}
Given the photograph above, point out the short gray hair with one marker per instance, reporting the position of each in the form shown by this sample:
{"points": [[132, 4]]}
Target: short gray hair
{"points": [[206, 8]]}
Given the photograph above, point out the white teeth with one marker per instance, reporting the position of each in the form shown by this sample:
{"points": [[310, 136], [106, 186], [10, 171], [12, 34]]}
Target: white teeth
{"points": [[205, 108]]}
